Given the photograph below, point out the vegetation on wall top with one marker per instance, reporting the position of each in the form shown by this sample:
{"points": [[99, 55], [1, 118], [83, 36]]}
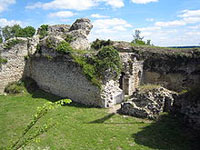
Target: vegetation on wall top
{"points": [[98, 44], [106, 60], [9, 44], [138, 40], [16, 31], [64, 47], [43, 31]]}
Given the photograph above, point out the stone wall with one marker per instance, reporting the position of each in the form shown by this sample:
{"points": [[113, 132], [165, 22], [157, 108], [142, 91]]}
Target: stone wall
{"points": [[132, 71], [13, 70], [64, 78], [149, 102], [175, 69], [188, 106]]}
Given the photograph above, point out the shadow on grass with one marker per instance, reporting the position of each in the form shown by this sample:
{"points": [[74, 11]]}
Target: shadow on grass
{"points": [[53, 98], [102, 120], [42, 94], [168, 134], [109, 116]]}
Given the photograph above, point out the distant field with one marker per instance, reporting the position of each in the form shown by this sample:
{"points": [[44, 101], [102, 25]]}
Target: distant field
{"points": [[84, 128], [184, 47]]}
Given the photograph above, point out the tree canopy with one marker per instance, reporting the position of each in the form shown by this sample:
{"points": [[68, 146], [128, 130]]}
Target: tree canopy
{"points": [[8, 32]]}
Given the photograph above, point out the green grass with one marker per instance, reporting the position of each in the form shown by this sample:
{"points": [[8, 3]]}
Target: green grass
{"points": [[84, 128]]}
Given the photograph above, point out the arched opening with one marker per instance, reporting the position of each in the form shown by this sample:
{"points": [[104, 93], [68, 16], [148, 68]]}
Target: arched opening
{"points": [[121, 81]]}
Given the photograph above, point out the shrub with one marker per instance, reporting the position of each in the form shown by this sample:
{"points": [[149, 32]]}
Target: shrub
{"points": [[25, 32], [108, 59], [3, 60], [98, 44], [43, 31], [21, 86], [139, 42], [17, 31], [15, 88], [12, 43], [64, 47]]}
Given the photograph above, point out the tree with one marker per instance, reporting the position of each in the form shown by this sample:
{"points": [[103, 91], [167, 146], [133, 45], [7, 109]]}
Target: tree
{"points": [[25, 32], [6, 31], [139, 40], [148, 42], [137, 35], [17, 31]]}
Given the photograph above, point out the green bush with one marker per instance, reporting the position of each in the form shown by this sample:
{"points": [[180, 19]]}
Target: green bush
{"points": [[25, 32], [43, 31], [139, 42], [98, 44], [21, 86], [3, 60], [94, 67], [15, 88], [12, 43], [17, 31], [64, 47], [108, 59]]}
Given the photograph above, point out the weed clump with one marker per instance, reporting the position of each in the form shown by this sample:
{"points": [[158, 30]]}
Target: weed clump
{"points": [[15, 88], [21, 86], [43, 31], [3, 60], [98, 44], [12, 43], [106, 60], [64, 47]]}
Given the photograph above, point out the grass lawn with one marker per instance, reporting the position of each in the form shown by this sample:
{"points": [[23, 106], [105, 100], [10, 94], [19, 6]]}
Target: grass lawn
{"points": [[84, 128]]}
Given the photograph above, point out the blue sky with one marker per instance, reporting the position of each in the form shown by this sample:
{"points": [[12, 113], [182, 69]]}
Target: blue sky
{"points": [[164, 22]]}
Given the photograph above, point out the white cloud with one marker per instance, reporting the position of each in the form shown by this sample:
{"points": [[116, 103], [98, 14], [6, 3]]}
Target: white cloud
{"points": [[114, 28], [5, 3], [186, 17], [113, 3], [171, 23], [143, 1], [194, 27], [191, 20], [98, 16], [4, 22], [33, 6], [75, 4], [64, 4], [110, 23], [190, 13], [153, 28], [62, 14]]}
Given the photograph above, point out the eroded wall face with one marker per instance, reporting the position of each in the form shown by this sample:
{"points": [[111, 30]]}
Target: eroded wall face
{"points": [[64, 78], [173, 81], [13, 70], [172, 76]]}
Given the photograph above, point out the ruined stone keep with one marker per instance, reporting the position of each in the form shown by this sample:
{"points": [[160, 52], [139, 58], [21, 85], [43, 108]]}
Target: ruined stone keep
{"points": [[61, 75]]}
